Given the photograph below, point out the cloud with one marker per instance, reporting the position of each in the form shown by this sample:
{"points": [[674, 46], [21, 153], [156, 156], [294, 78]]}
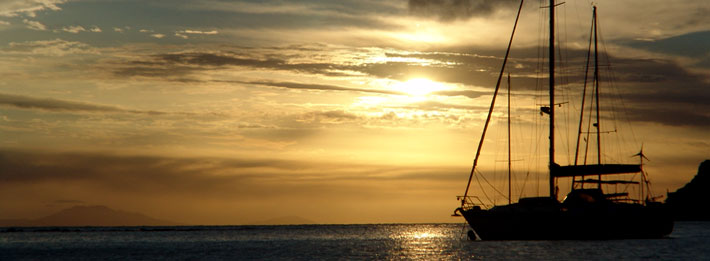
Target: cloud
{"points": [[95, 29], [214, 190], [185, 34], [465, 93], [644, 81], [159, 36], [56, 47], [118, 29], [242, 177], [292, 15], [448, 10], [75, 29], [672, 116], [690, 45], [437, 106], [34, 25], [329, 117], [28, 8], [197, 32], [48, 104], [178, 64], [294, 85]]}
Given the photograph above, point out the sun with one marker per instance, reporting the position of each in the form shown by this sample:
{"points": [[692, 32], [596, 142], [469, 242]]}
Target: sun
{"points": [[419, 87]]}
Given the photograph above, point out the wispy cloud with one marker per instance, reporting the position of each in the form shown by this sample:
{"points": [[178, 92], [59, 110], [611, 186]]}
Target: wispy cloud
{"points": [[95, 29], [34, 25], [49, 104], [294, 85], [448, 10], [197, 32], [209, 176], [75, 29], [185, 34], [28, 8], [56, 47]]}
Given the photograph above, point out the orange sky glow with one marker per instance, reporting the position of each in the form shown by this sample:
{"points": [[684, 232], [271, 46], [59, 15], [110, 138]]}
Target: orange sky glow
{"points": [[232, 112]]}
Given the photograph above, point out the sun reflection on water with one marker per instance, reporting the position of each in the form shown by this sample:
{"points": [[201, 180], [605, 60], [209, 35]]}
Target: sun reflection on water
{"points": [[419, 242], [423, 235]]}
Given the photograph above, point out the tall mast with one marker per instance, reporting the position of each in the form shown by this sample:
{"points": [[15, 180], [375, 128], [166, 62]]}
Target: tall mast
{"points": [[552, 97], [510, 184], [596, 88]]}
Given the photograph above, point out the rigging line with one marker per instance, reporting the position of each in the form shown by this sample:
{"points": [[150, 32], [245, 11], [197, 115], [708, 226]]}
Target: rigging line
{"points": [[564, 69], [489, 184], [493, 101], [596, 91], [626, 188], [584, 96], [625, 112], [482, 189], [522, 188]]}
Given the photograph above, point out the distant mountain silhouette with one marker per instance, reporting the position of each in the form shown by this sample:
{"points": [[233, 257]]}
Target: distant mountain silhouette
{"points": [[89, 216], [691, 201], [288, 220]]}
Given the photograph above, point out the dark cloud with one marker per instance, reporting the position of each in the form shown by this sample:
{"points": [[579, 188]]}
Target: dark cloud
{"points": [[672, 116], [469, 94], [212, 60], [437, 106], [446, 67], [335, 116], [661, 91], [692, 45], [247, 178], [27, 102], [178, 66], [139, 172], [302, 86], [448, 10]]}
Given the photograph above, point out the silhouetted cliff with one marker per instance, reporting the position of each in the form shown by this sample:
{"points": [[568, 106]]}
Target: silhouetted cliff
{"points": [[692, 201]]}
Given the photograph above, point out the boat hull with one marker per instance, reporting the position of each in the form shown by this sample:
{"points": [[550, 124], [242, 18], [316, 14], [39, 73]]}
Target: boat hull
{"points": [[557, 222]]}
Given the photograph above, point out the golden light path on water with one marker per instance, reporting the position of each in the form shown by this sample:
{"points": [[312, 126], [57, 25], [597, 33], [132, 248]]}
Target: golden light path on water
{"points": [[424, 241]]}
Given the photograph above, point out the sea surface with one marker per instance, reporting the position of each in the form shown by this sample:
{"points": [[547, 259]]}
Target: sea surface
{"points": [[689, 241]]}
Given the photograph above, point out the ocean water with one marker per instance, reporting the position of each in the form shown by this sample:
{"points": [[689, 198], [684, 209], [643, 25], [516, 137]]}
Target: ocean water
{"points": [[689, 241]]}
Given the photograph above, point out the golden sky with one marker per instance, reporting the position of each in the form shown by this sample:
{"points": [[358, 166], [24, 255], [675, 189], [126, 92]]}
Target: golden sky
{"points": [[354, 111]]}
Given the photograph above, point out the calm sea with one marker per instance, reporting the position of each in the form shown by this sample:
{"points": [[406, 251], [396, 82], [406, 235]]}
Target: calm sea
{"points": [[689, 241]]}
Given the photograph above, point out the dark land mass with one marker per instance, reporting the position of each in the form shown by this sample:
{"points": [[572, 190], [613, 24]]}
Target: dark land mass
{"points": [[79, 216], [692, 201]]}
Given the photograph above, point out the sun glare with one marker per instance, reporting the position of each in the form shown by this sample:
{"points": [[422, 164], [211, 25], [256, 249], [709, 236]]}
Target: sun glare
{"points": [[419, 87]]}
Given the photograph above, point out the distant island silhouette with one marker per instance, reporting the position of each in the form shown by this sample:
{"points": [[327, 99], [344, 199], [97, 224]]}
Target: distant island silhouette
{"points": [[88, 216], [690, 202]]}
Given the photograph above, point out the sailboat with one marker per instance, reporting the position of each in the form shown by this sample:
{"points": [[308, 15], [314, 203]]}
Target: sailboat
{"points": [[587, 212]]}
